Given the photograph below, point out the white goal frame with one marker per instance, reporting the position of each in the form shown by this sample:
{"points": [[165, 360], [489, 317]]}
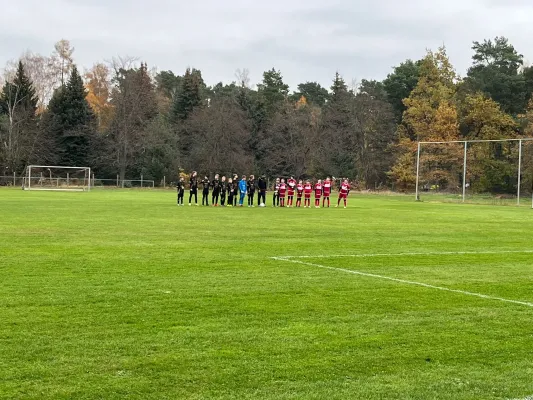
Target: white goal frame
{"points": [[466, 142], [26, 182]]}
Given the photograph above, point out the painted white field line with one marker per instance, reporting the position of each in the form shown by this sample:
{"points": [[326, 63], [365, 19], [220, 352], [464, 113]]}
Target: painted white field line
{"points": [[436, 253], [406, 282], [526, 398]]}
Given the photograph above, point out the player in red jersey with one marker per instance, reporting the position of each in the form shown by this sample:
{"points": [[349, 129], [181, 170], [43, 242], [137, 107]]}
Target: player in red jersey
{"points": [[318, 193], [299, 193], [282, 193], [343, 192], [308, 189], [326, 189], [291, 186]]}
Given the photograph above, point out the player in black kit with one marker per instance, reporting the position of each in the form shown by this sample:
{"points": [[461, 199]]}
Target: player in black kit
{"points": [[205, 191], [262, 186], [251, 190], [236, 185], [223, 189], [231, 192], [275, 197], [193, 187], [215, 185], [180, 187]]}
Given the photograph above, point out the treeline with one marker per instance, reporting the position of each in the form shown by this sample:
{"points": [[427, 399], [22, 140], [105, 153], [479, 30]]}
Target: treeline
{"points": [[122, 118]]}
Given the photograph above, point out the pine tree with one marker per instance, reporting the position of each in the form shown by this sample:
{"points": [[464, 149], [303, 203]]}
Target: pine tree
{"points": [[273, 90], [70, 121], [190, 95], [19, 92], [339, 89], [496, 71], [313, 92], [190, 99], [336, 132], [18, 103]]}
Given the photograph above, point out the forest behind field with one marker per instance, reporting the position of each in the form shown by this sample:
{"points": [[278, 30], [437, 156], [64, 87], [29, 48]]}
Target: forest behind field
{"points": [[122, 117]]}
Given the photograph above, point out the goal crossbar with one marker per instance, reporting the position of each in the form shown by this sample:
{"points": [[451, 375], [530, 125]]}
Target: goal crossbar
{"points": [[85, 180], [480, 141], [57, 166], [466, 142]]}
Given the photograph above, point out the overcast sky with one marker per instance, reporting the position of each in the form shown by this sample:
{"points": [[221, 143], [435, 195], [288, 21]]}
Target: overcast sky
{"points": [[308, 40]]}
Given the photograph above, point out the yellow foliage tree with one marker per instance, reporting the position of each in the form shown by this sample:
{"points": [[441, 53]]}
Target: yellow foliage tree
{"points": [[528, 146], [98, 87], [436, 85], [441, 164], [403, 172], [484, 119], [431, 115], [302, 102], [529, 118], [491, 166]]}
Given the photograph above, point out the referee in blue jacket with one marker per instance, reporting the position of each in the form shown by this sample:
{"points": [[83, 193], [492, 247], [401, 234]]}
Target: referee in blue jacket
{"points": [[242, 189]]}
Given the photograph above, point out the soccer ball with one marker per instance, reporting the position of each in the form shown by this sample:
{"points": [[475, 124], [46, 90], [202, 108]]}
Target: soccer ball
{"points": [[262, 205]]}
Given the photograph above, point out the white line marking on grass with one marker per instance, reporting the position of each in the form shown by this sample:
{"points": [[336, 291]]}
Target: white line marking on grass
{"points": [[526, 398], [354, 272], [437, 253]]}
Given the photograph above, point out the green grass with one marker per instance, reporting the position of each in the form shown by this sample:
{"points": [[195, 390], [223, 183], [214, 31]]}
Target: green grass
{"points": [[478, 198], [121, 294]]}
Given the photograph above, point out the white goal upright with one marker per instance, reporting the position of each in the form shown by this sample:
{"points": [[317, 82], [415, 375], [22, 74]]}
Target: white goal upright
{"points": [[463, 163], [58, 178]]}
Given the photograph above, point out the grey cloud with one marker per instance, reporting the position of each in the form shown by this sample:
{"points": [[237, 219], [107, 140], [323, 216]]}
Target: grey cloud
{"points": [[305, 39]]}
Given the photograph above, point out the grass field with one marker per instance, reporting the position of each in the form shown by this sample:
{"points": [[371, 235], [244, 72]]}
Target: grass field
{"points": [[121, 294]]}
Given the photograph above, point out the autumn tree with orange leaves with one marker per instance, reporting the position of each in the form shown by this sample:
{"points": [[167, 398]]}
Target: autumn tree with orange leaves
{"points": [[430, 115], [98, 85]]}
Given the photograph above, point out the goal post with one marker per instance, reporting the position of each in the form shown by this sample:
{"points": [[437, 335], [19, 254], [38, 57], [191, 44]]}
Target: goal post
{"points": [[57, 178], [462, 154]]}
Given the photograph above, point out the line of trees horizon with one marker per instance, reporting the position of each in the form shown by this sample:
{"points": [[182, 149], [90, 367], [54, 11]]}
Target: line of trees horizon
{"points": [[122, 118]]}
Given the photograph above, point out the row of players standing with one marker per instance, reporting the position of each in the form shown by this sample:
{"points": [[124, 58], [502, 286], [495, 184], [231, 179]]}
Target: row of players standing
{"points": [[321, 189], [224, 191], [235, 191]]}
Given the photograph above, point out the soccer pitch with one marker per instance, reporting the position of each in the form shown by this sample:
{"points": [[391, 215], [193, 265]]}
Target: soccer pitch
{"points": [[121, 294]]}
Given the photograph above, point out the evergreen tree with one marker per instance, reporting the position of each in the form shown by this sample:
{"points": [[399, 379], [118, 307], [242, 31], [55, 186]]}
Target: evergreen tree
{"points": [[189, 96], [19, 92], [313, 92], [70, 121], [400, 83], [221, 90], [496, 72], [168, 84], [527, 73], [252, 103], [273, 90], [18, 105], [336, 132], [339, 89]]}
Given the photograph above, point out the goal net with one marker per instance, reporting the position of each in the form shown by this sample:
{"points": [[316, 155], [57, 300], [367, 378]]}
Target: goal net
{"points": [[44, 177], [476, 171]]}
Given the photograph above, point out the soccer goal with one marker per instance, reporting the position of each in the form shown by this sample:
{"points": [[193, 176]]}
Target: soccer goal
{"points": [[67, 179], [498, 171]]}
